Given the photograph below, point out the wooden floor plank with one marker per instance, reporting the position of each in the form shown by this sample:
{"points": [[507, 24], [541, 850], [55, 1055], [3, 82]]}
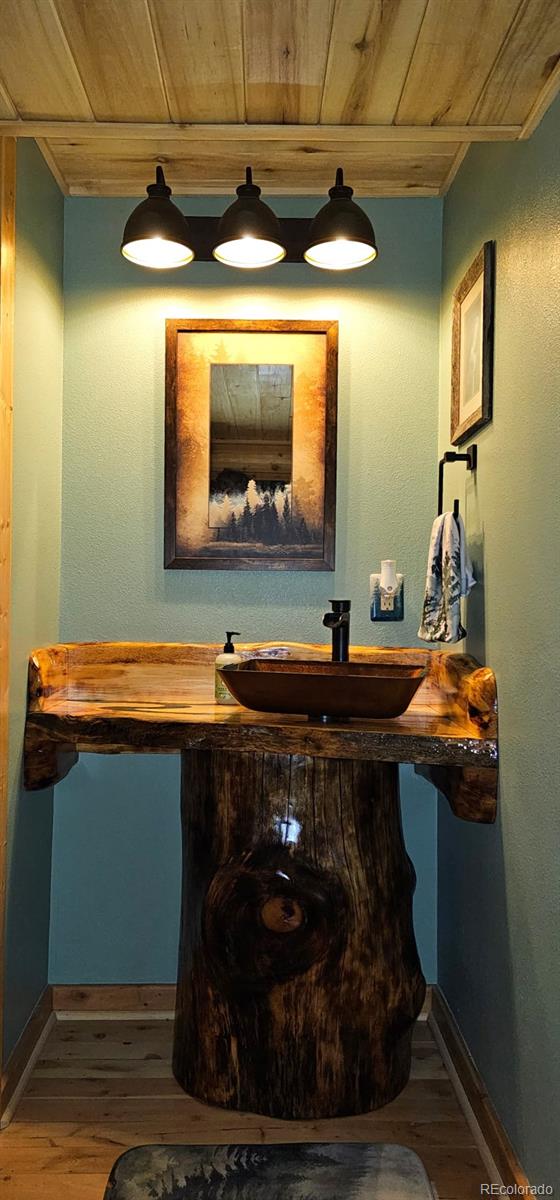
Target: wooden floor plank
{"points": [[81, 1030], [104, 1085], [65, 1137], [175, 1112], [121, 1077], [99, 1068], [101, 1084], [78, 1159], [455, 1175], [41, 1186], [152, 1049]]}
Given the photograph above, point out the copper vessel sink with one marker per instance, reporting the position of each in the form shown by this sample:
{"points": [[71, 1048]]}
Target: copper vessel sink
{"points": [[324, 690]]}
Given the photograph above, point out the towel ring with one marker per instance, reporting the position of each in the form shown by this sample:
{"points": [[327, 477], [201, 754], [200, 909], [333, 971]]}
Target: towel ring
{"points": [[469, 457]]}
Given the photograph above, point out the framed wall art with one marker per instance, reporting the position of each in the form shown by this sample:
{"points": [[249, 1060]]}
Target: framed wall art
{"points": [[473, 347], [250, 445]]}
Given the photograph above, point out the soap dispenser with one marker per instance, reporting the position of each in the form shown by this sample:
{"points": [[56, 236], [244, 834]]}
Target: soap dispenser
{"points": [[228, 655], [387, 593]]}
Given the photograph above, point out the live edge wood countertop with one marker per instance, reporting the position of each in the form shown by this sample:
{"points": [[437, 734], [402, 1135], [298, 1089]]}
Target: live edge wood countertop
{"points": [[151, 697]]}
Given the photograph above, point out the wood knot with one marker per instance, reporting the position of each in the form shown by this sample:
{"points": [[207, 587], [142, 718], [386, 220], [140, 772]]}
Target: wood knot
{"points": [[481, 697], [281, 914], [253, 902]]}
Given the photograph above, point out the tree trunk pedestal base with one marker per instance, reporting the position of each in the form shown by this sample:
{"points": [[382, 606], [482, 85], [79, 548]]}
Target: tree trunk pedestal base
{"points": [[299, 979]]}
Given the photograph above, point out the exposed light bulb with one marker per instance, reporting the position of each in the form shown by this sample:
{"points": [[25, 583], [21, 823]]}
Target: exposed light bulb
{"points": [[157, 253], [249, 253], [340, 255]]}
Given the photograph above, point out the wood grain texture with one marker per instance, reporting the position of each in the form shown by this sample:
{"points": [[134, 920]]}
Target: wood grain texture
{"points": [[286, 49], [370, 50], [46, 760], [200, 47], [36, 64], [314, 1020], [518, 84], [118, 997], [7, 107], [151, 697], [249, 63], [113, 47], [7, 297], [472, 792], [451, 60], [469, 690], [302, 60], [123, 167], [343, 136]]}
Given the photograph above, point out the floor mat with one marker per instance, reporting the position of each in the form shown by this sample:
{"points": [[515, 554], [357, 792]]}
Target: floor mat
{"points": [[310, 1171]]}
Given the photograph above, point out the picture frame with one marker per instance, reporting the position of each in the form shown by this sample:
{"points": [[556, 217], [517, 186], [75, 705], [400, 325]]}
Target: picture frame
{"points": [[250, 444], [472, 349]]}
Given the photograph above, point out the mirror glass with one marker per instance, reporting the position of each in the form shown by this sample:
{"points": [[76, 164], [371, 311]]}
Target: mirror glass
{"points": [[250, 492]]}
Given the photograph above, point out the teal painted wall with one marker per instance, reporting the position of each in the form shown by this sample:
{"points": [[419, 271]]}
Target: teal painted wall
{"points": [[38, 343], [499, 893], [115, 894]]}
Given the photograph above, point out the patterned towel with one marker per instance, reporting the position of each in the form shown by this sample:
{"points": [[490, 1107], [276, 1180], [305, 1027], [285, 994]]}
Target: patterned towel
{"points": [[449, 577]]}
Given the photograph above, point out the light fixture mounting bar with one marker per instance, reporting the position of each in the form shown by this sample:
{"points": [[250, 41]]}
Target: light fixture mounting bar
{"points": [[204, 232]]}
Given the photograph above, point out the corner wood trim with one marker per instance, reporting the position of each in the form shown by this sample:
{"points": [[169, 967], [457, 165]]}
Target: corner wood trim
{"points": [[24, 1056], [454, 1048], [7, 294], [457, 162]]}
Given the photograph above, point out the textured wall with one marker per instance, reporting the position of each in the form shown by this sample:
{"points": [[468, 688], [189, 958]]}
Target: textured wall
{"points": [[116, 846], [499, 898], [36, 560]]}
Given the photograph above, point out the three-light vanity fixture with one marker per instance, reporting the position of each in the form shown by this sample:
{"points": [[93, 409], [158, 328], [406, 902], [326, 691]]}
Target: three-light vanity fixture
{"points": [[249, 235]]}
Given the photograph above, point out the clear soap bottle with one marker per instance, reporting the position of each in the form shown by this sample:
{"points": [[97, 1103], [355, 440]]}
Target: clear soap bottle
{"points": [[228, 655]]}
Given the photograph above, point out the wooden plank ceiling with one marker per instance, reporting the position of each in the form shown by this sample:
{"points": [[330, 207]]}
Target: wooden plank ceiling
{"points": [[395, 90]]}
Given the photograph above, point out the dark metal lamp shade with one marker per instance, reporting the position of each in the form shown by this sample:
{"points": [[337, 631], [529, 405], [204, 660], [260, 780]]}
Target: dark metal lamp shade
{"points": [[249, 233], [341, 236], [156, 234]]}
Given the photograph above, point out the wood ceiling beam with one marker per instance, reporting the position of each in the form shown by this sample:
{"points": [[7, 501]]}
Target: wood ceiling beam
{"points": [[371, 191], [345, 134]]}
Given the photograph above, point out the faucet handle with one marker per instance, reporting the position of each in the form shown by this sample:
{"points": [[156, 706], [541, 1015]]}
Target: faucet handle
{"points": [[340, 606]]}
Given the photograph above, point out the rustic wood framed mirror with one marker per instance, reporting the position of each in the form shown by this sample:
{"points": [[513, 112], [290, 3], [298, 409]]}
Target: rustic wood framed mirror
{"points": [[250, 445]]}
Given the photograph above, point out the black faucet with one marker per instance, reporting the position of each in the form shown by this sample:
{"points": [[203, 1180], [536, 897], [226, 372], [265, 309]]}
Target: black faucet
{"points": [[339, 621]]}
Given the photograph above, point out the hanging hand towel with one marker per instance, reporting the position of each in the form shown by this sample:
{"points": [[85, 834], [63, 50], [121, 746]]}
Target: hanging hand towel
{"points": [[449, 577]]}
